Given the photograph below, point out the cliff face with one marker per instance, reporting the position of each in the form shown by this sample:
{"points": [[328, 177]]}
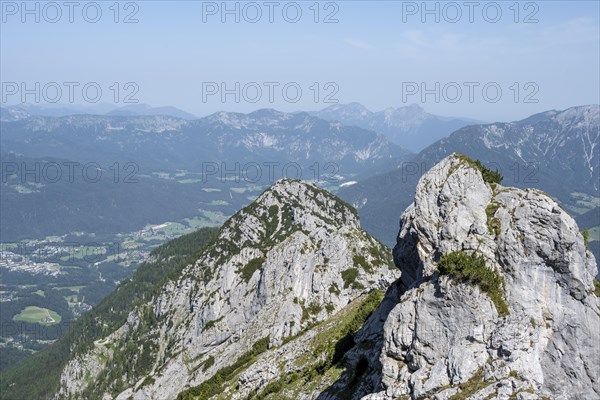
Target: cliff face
{"points": [[446, 337], [493, 297]]}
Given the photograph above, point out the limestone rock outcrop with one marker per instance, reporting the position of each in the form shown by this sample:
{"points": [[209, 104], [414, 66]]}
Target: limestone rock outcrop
{"points": [[446, 337]]}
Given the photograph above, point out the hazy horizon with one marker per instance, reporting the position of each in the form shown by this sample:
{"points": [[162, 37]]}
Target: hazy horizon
{"points": [[379, 54]]}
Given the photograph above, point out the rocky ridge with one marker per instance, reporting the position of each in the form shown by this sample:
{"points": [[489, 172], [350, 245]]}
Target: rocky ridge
{"points": [[289, 261]]}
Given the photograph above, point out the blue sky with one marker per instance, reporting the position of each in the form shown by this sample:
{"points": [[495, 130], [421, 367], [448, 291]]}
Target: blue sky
{"points": [[379, 53]]}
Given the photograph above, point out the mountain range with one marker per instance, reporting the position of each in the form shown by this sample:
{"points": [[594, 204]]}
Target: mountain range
{"points": [[170, 160], [25, 110], [168, 182], [409, 127], [228, 149], [159, 143]]}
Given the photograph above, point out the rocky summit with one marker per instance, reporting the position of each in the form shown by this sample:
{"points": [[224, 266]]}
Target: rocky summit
{"points": [[452, 334], [493, 297], [291, 260]]}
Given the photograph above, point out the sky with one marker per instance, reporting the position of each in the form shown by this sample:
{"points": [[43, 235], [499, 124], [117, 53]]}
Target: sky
{"points": [[491, 61]]}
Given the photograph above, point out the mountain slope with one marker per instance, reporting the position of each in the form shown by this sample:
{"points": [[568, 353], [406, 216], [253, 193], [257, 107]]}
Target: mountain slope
{"points": [[589, 219], [557, 152], [34, 207], [410, 127], [292, 259], [563, 144]]}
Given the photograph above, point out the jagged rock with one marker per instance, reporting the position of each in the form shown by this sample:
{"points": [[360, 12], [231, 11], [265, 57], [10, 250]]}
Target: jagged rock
{"points": [[446, 333]]}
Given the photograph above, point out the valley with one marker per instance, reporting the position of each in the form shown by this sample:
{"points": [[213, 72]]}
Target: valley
{"points": [[75, 272]]}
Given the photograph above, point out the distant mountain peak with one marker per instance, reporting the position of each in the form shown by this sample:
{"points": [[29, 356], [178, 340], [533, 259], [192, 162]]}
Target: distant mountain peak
{"points": [[411, 108], [344, 113], [588, 113], [146, 110], [414, 106], [357, 107], [409, 126], [267, 113]]}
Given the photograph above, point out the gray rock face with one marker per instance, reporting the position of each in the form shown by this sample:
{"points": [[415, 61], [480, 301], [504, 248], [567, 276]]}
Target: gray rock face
{"points": [[445, 337], [277, 266]]}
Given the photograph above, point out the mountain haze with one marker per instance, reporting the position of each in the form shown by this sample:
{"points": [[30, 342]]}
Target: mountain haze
{"points": [[159, 143], [25, 110], [190, 164]]}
